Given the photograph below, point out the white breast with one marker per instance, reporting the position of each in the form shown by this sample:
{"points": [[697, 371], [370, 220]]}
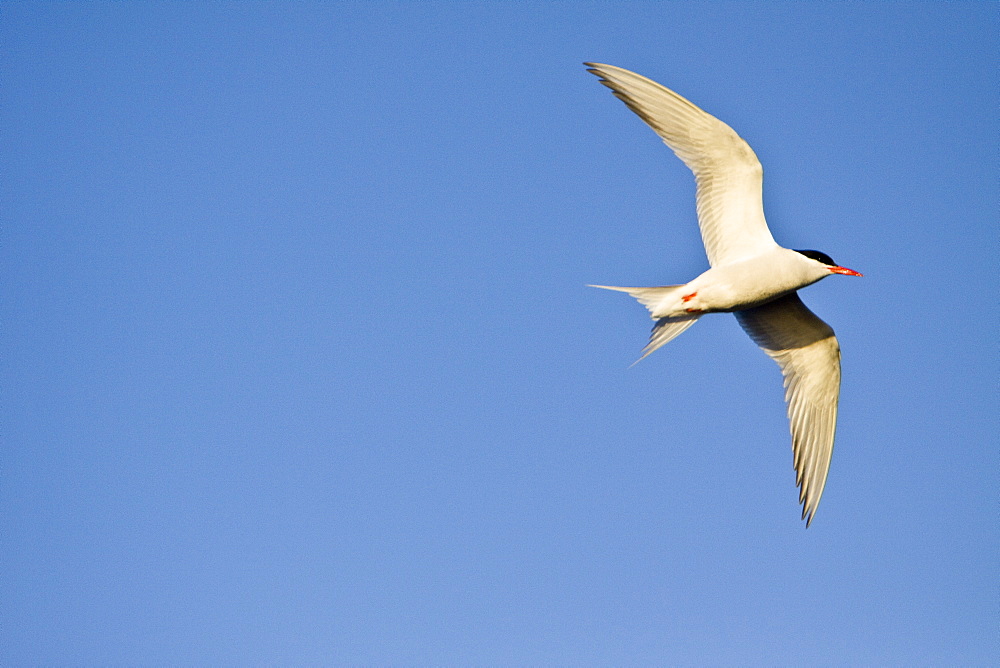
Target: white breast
{"points": [[740, 285]]}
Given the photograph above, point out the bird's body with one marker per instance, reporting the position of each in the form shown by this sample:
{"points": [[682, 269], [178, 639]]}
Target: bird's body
{"points": [[750, 275], [740, 285]]}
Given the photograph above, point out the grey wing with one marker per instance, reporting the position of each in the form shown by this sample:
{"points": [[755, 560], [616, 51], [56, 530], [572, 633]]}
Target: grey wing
{"points": [[727, 172], [807, 351]]}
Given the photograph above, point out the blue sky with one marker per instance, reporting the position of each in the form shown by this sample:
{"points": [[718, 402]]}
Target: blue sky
{"points": [[300, 365]]}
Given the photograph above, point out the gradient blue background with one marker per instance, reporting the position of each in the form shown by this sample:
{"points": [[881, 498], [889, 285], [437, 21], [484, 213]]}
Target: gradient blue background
{"points": [[299, 365]]}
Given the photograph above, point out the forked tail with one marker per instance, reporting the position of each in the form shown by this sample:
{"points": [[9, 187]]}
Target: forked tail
{"points": [[666, 329]]}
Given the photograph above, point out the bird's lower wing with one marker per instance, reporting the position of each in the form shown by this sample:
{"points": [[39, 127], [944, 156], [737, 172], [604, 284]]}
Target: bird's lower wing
{"points": [[807, 351]]}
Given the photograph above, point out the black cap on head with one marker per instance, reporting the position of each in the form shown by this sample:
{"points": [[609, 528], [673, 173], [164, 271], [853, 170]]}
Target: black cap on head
{"points": [[819, 257]]}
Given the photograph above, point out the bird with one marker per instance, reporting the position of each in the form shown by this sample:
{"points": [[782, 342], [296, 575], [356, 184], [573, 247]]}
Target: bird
{"points": [[750, 275]]}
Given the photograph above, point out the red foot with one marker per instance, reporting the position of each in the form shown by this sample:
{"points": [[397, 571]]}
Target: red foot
{"points": [[693, 310], [687, 298]]}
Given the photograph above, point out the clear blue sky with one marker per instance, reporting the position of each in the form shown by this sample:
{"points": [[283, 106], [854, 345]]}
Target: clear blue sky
{"points": [[300, 366]]}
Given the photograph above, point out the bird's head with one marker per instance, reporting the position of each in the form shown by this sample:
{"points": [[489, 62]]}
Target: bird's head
{"points": [[828, 262]]}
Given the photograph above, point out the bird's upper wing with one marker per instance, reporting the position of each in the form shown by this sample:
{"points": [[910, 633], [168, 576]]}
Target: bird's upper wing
{"points": [[728, 175], [807, 351]]}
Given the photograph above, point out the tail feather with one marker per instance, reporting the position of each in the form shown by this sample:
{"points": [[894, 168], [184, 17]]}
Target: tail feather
{"points": [[648, 297], [665, 329]]}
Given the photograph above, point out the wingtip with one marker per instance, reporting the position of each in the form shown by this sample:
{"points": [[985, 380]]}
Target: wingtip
{"points": [[808, 514]]}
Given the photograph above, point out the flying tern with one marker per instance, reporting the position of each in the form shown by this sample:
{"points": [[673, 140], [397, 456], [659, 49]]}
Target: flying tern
{"points": [[751, 276]]}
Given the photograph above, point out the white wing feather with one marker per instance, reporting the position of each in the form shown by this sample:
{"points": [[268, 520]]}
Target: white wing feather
{"points": [[728, 174], [807, 351]]}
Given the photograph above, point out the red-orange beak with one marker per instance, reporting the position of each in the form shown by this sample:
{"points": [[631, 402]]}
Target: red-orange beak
{"points": [[844, 270]]}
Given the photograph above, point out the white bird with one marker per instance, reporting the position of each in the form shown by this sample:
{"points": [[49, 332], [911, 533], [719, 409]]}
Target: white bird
{"points": [[751, 276]]}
